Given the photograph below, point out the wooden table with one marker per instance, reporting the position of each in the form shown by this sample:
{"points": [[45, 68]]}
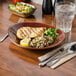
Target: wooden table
{"points": [[15, 61]]}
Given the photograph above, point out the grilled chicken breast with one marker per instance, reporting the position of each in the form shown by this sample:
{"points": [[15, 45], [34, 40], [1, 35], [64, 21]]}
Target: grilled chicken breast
{"points": [[30, 32]]}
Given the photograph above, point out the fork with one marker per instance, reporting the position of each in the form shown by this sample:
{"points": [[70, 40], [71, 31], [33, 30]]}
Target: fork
{"points": [[4, 37], [69, 51], [44, 62]]}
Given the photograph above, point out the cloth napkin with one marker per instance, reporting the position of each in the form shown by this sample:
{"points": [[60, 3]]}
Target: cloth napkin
{"points": [[61, 61]]}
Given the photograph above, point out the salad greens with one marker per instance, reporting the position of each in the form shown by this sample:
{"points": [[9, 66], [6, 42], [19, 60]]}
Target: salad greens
{"points": [[19, 4], [12, 6], [20, 7], [52, 32]]}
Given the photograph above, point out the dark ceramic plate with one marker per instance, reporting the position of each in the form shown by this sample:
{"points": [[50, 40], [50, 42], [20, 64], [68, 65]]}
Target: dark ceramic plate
{"points": [[12, 34]]}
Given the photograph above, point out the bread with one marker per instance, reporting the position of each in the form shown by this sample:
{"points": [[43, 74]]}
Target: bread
{"points": [[29, 32]]}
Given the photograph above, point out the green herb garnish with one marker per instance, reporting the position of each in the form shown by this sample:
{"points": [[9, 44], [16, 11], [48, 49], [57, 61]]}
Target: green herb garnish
{"points": [[52, 32]]}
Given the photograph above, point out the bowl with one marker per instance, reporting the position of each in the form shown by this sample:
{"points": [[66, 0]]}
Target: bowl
{"points": [[21, 14], [12, 34]]}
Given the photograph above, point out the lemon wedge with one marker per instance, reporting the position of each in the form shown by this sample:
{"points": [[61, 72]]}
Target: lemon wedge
{"points": [[25, 42]]}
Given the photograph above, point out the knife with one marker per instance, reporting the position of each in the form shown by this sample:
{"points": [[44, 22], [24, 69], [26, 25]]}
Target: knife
{"points": [[71, 49], [44, 62]]}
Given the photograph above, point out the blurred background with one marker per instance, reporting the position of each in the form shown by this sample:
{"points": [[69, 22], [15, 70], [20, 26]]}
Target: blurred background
{"points": [[40, 1], [36, 1]]}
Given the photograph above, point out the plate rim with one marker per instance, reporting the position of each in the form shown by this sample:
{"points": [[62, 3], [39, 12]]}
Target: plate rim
{"points": [[31, 48]]}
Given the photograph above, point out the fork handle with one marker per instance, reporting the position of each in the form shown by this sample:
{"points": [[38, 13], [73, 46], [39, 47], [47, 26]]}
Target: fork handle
{"points": [[4, 37]]}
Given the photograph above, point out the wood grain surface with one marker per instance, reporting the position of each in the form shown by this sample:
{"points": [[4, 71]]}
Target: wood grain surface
{"points": [[16, 61]]}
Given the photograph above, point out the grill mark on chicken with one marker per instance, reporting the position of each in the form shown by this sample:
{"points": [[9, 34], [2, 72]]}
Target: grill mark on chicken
{"points": [[33, 30], [29, 32], [21, 32], [29, 29], [25, 31]]}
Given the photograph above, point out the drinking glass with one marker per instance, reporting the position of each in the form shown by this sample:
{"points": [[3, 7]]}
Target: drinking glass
{"points": [[64, 13]]}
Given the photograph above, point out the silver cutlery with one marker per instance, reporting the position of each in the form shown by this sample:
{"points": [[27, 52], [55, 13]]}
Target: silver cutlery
{"points": [[3, 38], [70, 50], [44, 62]]}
